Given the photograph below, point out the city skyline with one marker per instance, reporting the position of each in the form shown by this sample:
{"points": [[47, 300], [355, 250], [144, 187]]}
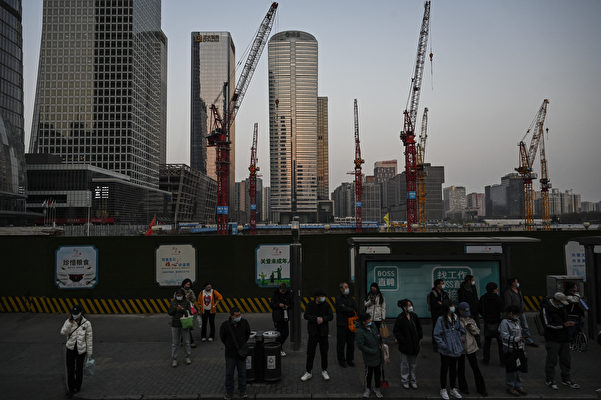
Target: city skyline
{"points": [[486, 87]]}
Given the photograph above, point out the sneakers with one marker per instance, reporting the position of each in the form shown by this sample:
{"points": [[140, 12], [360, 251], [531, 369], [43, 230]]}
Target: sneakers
{"points": [[204, 339], [228, 397], [521, 391], [366, 393], [513, 392], [325, 375], [193, 345], [444, 394], [455, 393], [283, 353], [188, 361], [379, 394], [210, 339], [174, 363], [405, 385], [570, 384], [552, 385], [413, 385], [306, 376], [243, 395]]}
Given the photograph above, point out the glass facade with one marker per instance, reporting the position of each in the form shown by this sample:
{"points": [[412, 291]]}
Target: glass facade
{"points": [[12, 148], [293, 125], [213, 64], [101, 92], [323, 171]]}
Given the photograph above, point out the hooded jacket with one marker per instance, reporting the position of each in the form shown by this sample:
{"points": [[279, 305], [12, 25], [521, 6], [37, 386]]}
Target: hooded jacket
{"points": [[511, 333], [368, 341], [448, 336], [79, 336], [408, 333], [553, 318]]}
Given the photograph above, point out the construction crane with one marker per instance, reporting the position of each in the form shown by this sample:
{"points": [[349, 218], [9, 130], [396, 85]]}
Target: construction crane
{"points": [[545, 185], [421, 176], [408, 132], [527, 157], [358, 175], [252, 186], [219, 135]]}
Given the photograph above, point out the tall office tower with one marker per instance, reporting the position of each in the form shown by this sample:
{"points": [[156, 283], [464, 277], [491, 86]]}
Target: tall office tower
{"points": [[454, 201], [213, 64], [384, 170], [12, 147], [293, 126], [323, 168], [99, 95], [343, 198]]}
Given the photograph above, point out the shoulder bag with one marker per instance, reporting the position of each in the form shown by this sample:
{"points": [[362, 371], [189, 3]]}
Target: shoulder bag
{"points": [[187, 321], [352, 323]]}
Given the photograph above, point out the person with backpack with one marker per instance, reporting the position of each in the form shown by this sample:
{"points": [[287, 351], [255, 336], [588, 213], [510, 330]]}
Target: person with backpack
{"points": [[345, 337], [375, 305], [79, 345], [369, 343], [210, 299], [469, 351], [281, 303], [408, 333], [510, 331], [450, 338], [491, 309], [318, 314], [436, 300], [179, 307]]}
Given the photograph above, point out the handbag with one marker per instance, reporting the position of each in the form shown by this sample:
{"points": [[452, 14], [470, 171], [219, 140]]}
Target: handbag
{"points": [[516, 360], [89, 367], [352, 323], [384, 330], [187, 321], [193, 309]]}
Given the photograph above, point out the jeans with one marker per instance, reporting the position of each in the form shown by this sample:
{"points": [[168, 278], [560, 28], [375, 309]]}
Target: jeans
{"points": [[323, 350], [176, 338], [448, 365], [525, 328], [408, 363], [557, 350], [345, 340], [230, 365], [284, 330], [375, 372], [74, 369], [513, 380], [206, 315], [471, 358]]}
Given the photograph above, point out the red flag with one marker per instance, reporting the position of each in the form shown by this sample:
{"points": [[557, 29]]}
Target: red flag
{"points": [[153, 223]]}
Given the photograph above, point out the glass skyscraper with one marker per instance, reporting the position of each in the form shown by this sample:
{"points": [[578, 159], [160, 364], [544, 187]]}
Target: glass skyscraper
{"points": [[12, 147], [323, 166], [293, 126], [101, 91]]}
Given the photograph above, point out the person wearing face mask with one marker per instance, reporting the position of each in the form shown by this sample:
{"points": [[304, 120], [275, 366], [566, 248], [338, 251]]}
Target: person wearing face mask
{"points": [[468, 293], [510, 331], [375, 305], [345, 338], [555, 320], [450, 338], [513, 297], [281, 302], [78, 331], [369, 342], [234, 333], [469, 351], [179, 307], [491, 308], [191, 297], [575, 309], [318, 313], [210, 298], [436, 298], [408, 333]]}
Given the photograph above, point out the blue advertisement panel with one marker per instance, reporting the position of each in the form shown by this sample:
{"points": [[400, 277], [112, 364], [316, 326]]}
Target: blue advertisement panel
{"points": [[414, 280]]}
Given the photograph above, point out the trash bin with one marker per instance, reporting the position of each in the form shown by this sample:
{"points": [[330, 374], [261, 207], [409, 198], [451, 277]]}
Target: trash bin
{"points": [[272, 361], [271, 336], [251, 362]]}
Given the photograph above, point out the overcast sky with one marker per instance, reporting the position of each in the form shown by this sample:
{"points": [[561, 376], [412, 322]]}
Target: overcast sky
{"points": [[494, 63]]}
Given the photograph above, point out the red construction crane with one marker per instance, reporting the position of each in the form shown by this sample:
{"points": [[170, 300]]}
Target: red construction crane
{"points": [[408, 132], [252, 187], [220, 126], [545, 185], [527, 159], [421, 176], [358, 175]]}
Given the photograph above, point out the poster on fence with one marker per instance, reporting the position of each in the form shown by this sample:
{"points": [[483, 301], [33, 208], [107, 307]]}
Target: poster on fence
{"points": [[174, 263], [272, 263], [76, 267]]}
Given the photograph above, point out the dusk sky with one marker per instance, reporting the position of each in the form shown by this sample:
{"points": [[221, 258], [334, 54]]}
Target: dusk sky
{"points": [[494, 63]]}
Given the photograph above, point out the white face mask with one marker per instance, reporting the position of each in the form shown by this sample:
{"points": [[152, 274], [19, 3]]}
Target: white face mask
{"points": [[410, 309], [452, 309], [346, 291], [179, 298]]}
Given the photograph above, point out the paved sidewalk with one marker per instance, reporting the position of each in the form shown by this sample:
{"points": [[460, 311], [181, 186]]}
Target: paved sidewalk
{"points": [[132, 353]]}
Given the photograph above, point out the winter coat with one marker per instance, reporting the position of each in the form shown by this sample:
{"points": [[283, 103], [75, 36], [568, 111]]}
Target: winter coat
{"points": [[448, 336], [214, 297], [234, 335], [512, 298], [315, 310], [375, 306], [433, 298], [511, 333], [470, 345], [553, 318], [368, 340], [277, 313], [177, 314], [469, 294], [491, 308], [79, 335], [408, 333], [345, 309]]}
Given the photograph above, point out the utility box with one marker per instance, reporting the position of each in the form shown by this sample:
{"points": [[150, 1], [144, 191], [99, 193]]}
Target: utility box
{"points": [[556, 283]]}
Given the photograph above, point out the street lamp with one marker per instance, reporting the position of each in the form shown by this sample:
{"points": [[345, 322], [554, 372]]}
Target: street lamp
{"points": [[295, 283]]}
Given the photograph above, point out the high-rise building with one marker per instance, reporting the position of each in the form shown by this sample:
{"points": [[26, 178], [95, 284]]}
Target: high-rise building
{"points": [[454, 201], [384, 170], [505, 200], [475, 205], [343, 198], [371, 202], [265, 213], [213, 64], [323, 174], [240, 208], [12, 147], [293, 125], [99, 94]]}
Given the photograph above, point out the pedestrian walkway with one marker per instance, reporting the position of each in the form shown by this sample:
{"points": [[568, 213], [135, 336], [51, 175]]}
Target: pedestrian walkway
{"points": [[132, 354]]}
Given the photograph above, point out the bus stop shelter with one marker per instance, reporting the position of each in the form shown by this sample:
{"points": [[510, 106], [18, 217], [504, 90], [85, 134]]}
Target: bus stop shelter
{"points": [[406, 267]]}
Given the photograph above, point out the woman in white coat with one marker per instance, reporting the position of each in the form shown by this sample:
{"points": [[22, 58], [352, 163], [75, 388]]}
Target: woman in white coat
{"points": [[78, 331], [375, 305]]}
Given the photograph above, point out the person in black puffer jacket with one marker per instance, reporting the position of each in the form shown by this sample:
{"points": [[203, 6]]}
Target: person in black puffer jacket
{"points": [[408, 333], [491, 309]]}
